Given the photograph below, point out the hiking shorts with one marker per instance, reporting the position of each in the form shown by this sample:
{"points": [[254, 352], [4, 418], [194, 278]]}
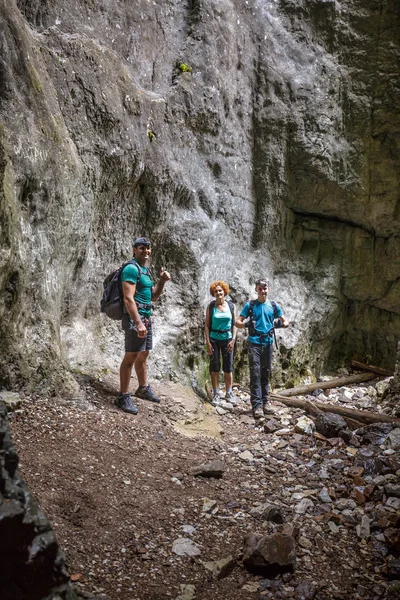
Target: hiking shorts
{"points": [[221, 347], [133, 343]]}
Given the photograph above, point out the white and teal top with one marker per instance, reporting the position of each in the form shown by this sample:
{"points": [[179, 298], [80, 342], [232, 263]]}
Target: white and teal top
{"points": [[221, 323]]}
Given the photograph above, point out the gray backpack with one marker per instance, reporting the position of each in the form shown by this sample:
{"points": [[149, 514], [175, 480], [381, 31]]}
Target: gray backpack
{"points": [[112, 302]]}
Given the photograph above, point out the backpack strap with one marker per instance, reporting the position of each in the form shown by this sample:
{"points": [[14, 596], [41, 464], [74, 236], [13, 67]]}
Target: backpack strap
{"points": [[141, 272], [252, 329], [210, 309], [232, 309]]}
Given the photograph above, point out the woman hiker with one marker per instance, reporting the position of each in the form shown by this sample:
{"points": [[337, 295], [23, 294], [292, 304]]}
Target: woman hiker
{"points": [[220, 333]]}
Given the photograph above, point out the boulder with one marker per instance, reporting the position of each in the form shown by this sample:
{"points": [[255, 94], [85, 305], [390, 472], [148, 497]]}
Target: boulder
{"points": [[330, 424], [269, 554], [375, 434]]}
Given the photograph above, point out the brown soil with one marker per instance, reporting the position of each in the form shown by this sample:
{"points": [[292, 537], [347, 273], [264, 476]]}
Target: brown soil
{"points": [[106, 481]]}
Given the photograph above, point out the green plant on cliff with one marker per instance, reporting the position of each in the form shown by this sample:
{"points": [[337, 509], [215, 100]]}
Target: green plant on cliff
{"points": [[184, 68]]}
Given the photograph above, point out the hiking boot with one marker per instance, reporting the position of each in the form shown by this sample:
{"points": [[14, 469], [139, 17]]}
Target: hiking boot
{"points": [[124, 402], [146, 393], [230, 397], [216, 399], [268, 410], [258, 412]]}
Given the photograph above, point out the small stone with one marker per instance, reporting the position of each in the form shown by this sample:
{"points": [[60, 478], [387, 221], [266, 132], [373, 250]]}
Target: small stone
{"points": [[345, 503], [214, 468], [188, 592], [305, 542], [394, 438], [271, 584], [358, 496], [246, 456], [393, 502], [267, 512], [392, 538], [185, 547], [208, 505], [306, 590], [221, 568], [271, 426], [382, 387], [188, 529], [251, 586], [363, 529], [305, 425], [334, 528], [303, 506], [324, 495], [12, 400], [393, 568], [290, 529], [392, 489]]}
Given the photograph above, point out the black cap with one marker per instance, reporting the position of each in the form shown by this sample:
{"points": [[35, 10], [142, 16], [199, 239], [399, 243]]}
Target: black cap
{"points": [[141, 241]]}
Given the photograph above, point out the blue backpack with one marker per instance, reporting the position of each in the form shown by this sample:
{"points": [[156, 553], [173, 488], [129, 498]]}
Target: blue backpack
{"points": [[112, 302]]}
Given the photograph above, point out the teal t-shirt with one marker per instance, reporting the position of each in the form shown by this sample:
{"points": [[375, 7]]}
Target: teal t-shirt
{"points": [[144, 285], [221, 324], [263, 316]]}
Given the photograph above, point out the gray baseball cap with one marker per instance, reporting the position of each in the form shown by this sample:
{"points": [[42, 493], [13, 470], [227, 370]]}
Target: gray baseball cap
{"points": [[141, 241]]}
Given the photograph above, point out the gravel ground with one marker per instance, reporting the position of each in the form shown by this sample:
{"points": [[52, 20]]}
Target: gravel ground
{"points": [[118, 491]]}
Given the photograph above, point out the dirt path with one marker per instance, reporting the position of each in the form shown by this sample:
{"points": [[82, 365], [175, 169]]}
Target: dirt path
{"points": [[119, 492]]}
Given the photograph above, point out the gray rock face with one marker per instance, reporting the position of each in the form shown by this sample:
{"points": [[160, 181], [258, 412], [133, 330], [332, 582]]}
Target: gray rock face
{"points": [[243, 138]]}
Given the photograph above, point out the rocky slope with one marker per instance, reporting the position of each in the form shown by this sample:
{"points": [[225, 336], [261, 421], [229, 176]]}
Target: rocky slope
{"points": [[243, 137], [282, 511]]}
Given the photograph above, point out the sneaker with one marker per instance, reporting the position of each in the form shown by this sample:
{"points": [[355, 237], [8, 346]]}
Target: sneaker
{"points": [[216, 400], [258, 412], [230, 397], [124, 402], [268, 410], [146, 393]]}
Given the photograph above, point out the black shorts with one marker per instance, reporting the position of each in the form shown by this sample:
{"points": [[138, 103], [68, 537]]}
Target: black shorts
{"points": [[133, 343], [221, 347]]}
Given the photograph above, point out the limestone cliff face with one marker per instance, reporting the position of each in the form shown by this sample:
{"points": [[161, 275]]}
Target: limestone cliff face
{"points": [[244, 138]]}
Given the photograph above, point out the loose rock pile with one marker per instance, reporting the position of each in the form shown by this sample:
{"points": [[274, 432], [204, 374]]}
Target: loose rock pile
{"points": [[268, 510]]}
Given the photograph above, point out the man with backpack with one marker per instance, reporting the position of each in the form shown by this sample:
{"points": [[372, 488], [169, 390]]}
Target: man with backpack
{"points": [[139, 291], [258, 315]]}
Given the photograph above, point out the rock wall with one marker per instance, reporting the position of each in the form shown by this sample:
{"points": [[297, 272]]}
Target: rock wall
{"points": [[243, 138]]}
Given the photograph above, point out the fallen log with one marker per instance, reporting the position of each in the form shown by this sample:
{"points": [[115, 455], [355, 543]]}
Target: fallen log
{"points": [[324, 385], [378, 370], [363, 416]]}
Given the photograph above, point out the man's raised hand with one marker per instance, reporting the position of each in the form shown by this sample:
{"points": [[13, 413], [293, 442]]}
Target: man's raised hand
{"points": [[164, 275]]}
